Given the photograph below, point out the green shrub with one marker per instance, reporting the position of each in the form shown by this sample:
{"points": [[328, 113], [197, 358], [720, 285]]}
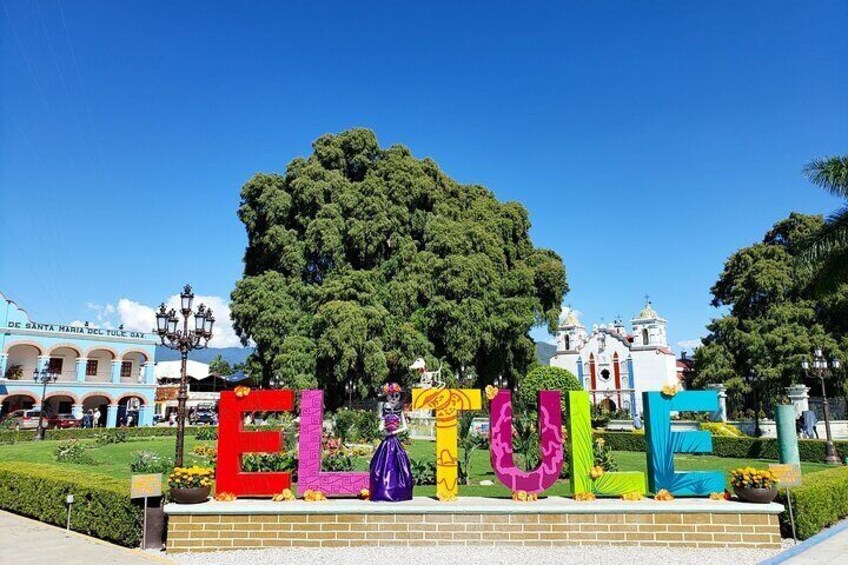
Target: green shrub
{"points": [[150, 462], [263, 462], [110, 436], [13, 436], [821, 501], [423, 471], [547, 378], [356, 425], [72, 451], [102, 506], [337, 462], [206, 433], [603, 455], [811, 450]]}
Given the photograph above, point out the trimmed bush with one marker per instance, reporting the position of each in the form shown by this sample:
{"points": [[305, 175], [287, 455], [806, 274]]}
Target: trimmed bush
{"points": [[102, 506], [207, 433], [721, 429], [356, 425], [811, 450], [547, 378], [821, 501], [12, 436]]}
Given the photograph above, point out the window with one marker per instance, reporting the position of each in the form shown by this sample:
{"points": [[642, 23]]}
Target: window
{"points": [[126, 368], [55, 365], [568, 342], [605, 375], [91, 368], [645, 337]]}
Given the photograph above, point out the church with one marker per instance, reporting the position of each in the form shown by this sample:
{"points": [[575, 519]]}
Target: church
{"points": [[616, 366]]}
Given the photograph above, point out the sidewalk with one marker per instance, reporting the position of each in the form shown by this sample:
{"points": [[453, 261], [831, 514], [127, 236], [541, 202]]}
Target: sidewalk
{"points": [[28, 542], [829, 547]]}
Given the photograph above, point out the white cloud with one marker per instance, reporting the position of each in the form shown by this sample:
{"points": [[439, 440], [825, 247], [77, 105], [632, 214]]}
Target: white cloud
{"points": [[689, 344], [142, 318]]}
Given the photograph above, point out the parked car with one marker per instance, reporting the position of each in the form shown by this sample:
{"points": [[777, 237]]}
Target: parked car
{"points": [[201, 416], [62, 421], [23, 419]]}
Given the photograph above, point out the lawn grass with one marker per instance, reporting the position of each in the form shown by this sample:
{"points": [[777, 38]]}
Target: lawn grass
{"points": [[114, 460]]}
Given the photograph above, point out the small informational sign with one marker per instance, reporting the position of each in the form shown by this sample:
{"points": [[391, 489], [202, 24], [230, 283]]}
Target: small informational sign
{"points": [[144, 486], [788, 474]]}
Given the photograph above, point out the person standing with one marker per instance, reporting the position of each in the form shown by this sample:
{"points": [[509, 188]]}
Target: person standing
{"points": [[96, 418]]}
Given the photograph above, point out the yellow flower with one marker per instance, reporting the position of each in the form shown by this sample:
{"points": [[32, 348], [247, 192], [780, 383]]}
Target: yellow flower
{"points": [[284, 496], [584, 496], [669, 389], [313, 496], [632, 496], [241, 391], [446, 497], [491, 392], [365, 494], [225, 497], [596, 472], [663, 494]]}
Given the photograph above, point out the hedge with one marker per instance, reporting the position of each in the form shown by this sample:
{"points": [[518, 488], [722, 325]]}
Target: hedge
{"points": [[13, 436], [102, 507], [811, 450], [821, 501]]}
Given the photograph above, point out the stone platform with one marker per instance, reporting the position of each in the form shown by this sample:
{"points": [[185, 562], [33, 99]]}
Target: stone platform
{"points": [[246, 523]]}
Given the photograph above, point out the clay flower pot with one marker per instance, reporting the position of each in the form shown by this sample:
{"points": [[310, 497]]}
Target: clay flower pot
{"points": [[756, 495], [194, 495]]}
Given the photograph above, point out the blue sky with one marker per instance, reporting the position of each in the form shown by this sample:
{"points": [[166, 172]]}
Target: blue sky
{"points": [[648, 140]]}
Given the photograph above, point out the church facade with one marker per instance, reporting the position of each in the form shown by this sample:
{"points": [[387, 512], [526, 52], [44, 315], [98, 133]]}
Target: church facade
{"points": [[615, 365]]}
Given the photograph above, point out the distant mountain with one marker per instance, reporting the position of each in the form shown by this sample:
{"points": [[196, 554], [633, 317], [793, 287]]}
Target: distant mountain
{"points": [[544, 352], [232, 355]]}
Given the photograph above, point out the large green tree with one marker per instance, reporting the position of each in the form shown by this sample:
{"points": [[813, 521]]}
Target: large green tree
{"points": [[361, 259], [774, 320]]}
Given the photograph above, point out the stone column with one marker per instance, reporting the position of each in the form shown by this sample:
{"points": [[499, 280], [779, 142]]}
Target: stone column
{"points": [[148, 374], [145, 415], [4, 363], [82, 363], [799, 396], [116, 371], [721, 414], [76, 410], [112, 416]]}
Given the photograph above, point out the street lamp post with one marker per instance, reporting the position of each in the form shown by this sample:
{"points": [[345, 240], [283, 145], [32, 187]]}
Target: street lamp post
{"points": [[349, 388], [501, 382], [753, 379], [45, 377], [821, 370], [184, 340]]}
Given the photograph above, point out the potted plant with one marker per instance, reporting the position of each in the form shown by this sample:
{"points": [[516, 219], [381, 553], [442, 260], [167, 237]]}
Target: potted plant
{"points": [[190, 485], [754, 485], [15, 373]]}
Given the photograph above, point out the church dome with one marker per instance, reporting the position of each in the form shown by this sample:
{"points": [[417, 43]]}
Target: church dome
{"points": [[647, 313], [570, 319]]}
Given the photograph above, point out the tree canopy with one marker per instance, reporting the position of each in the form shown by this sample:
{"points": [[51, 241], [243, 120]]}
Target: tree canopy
{"points": [[774, 320], [361, 259]]}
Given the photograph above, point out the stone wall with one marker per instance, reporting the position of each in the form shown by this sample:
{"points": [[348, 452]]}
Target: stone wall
{"points": [[211, 532]]}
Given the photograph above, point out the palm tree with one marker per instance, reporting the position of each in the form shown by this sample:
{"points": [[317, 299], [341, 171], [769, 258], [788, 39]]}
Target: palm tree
{"points": [[826, 252]]}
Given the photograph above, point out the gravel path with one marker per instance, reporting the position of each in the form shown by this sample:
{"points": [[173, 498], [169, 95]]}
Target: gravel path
{"points": [[482, 556]]}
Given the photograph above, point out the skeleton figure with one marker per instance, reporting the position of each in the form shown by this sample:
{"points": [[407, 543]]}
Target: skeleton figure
{"points": [[429, 379]]}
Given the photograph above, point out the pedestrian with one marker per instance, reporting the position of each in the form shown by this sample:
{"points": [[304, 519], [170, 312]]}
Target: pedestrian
{"points": [[130, 420], [172, 419], [810, 423], [637, 422], [86, 419], [96, 418]]}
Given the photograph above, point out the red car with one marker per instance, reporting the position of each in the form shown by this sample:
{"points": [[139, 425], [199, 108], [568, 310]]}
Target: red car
{"points": [[62, 421]]}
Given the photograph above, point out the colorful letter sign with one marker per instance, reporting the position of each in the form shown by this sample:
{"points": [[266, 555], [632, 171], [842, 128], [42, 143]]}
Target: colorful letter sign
{"points": [[309, 474], [447, 402], [233, 442], [662, 443], [550, 443], [583, 455]]}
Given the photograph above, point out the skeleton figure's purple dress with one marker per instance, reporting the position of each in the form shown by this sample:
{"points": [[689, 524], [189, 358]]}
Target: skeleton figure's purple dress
{"points": [[391, 473]]}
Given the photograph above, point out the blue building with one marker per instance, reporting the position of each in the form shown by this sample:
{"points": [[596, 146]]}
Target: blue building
{"points": [[97, 368]]}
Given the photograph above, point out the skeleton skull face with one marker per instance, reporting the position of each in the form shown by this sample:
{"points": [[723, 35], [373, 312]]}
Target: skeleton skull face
{"points": [[393, 399]]}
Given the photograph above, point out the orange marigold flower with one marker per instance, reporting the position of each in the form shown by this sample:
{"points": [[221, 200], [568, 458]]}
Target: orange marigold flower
{"points": [[491, 392]]}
